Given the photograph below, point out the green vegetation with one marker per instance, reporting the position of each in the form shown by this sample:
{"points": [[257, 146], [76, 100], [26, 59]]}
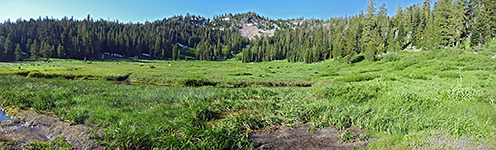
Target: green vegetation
{"points": [[406, 100], [465, 24], [58, 143]]}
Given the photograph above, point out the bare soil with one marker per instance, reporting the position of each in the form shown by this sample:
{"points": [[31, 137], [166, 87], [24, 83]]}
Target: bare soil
{"points": [[28, 126], [301, 138]]}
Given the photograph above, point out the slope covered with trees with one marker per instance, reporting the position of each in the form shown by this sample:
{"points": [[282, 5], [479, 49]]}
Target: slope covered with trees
{"points": [[430, 25], [69, 38], [464, 24]]}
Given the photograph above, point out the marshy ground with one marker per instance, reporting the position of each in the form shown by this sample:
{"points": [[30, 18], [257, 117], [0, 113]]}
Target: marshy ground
{"points": [[426, 100]]}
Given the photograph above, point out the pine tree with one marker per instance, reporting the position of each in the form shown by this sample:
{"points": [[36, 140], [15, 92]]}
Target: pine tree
{"points": [[445, 21], [46, 50], [175, 53], [369, 32], [34, 50], [461, 18], [17, 52], [8, 47], [480, 29], [431, 34], [490, 9], [61, 51], [2, 41], [425, 20], [156, 48], [400, 30]]}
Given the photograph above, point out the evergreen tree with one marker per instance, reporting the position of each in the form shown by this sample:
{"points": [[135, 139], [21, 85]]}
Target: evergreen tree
{"points": [[445, 21], [400, 30], [448, 24], [46, 49], [8, 47], [34, 50], [490, 9], [425, 20], [175, 53], [61, 52], [370, 33], [17, 52], [462, 13], [480, 29]]}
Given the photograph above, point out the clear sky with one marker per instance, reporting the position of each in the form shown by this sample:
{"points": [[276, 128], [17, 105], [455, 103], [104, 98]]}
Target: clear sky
{"points": [[143, 10]]}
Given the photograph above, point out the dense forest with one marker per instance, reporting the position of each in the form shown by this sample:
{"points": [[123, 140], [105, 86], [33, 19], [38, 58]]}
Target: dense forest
{"points": [[69, 38], [466, 24]]}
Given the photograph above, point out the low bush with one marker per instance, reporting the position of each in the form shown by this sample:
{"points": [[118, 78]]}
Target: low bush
{"points": [[196, 82], [357, 58]]}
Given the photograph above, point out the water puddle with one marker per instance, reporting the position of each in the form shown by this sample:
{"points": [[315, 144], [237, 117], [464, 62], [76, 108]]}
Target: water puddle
{"points": [[3, 115]]}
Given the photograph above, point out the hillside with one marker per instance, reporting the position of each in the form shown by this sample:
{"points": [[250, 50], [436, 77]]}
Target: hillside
{"points": [[250, 24]]}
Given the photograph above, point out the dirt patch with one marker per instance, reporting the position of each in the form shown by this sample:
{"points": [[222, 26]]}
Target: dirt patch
{"points": [[301, 138], [27, 126]]}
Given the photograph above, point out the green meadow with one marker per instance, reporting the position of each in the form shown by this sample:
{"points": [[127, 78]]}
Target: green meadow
{"points": [[431, 99]]}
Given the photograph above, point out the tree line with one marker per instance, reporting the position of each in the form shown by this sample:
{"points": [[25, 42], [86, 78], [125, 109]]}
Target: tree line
{"points": [[464, 24], [69, 38], [424, 26]]}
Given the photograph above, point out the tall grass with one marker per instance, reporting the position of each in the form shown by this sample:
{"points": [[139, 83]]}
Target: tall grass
{"points": [[407, 100]]}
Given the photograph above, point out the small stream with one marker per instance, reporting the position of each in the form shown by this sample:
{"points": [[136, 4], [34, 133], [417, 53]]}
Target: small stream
{"points": [[3, 115]]}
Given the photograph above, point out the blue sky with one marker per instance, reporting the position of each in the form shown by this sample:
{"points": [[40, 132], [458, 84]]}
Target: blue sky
{"points": [[142, 10]]}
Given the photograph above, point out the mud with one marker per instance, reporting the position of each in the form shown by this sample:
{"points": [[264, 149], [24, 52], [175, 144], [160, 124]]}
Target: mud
{"points": [[27, 126], [303, 139]]}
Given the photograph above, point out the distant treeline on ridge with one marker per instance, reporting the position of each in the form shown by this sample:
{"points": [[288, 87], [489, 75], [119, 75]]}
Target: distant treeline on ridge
{"points": [[465, 24]]}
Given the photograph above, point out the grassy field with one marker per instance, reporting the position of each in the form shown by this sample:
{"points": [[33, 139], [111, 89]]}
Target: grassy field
{"points": [[433, 99]]}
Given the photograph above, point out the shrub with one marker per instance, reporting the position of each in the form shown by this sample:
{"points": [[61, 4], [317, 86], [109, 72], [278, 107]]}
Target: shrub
{"points": [[36, 74], [22, 73], [357, 58], [197, 82]]}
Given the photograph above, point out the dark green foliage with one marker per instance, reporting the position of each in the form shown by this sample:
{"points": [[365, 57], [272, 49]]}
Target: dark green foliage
{"points": [[448, 23], [17, 53], [37, 74], [175, 53], [195, 82], [241, 74], [357, 58], [69, 38], [8, 50]]}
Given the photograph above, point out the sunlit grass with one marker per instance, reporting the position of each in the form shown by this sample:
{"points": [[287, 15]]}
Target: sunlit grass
{"points": [[407, 100]]}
